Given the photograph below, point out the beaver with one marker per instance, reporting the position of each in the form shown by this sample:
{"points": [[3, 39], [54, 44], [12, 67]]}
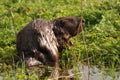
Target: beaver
{"points": [[41, 41]]}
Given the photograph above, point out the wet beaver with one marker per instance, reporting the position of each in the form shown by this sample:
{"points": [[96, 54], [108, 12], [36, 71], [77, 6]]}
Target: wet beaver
{"points": [[41, 40]]}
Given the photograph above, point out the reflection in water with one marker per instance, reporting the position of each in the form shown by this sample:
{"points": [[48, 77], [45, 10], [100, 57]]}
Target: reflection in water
{"points": [[94, 73]]}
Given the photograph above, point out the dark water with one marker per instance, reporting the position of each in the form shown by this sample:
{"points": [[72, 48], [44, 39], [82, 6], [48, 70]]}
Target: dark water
{"points": [[94, 73]]}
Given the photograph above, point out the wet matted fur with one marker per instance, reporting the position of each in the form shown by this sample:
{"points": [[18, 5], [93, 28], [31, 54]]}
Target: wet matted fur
{"points": [[40, 41]]}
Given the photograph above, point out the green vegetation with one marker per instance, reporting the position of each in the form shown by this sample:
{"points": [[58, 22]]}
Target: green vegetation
{"points": [[100, 39]]}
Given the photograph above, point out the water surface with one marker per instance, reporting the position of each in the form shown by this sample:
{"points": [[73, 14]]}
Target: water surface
{"points": [[94, 73]]}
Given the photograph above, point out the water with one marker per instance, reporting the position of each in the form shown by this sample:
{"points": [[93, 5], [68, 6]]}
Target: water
{"points": [[1, 78], [94, 73], [91, 73]]}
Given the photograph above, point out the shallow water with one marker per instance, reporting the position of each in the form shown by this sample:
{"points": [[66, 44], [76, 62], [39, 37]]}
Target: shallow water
{"points": [[89, 73], [1, 78], [94, 73]]}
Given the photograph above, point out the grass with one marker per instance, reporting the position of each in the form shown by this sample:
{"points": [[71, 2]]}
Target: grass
{"points": [[102, 34]]}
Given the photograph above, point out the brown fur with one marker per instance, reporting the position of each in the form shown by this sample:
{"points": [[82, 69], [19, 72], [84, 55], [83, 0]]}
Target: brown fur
{"points": [[37, 41]]}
